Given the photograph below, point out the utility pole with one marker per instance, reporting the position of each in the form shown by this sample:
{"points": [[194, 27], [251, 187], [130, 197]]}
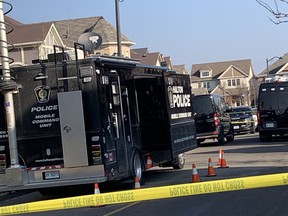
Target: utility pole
{"points": [[119, 49], [7, 86]]}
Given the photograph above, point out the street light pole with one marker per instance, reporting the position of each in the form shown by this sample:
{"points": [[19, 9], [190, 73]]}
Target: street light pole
{"points": [[267, 63], [267, 70], [119, 50]]}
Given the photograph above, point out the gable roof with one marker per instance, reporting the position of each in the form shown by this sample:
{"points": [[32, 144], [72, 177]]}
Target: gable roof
{"points": [[30, 33], [233, 71], [12, 21], [283, 70], [220, 90], [218, 68], [275, 67], [142, 51], [69, 30], [149, 58]]}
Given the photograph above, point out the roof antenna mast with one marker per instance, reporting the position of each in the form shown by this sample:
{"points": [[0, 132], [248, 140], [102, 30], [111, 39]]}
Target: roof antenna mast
{"points": [[118, 27], [7, 85]]}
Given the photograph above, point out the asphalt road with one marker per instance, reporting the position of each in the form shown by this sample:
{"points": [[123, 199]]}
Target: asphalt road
{"points": [[245, 156]]}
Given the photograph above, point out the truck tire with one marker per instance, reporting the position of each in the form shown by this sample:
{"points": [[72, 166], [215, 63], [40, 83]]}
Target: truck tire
{"points": [[264, 137], [179, 162], [137, 166]]}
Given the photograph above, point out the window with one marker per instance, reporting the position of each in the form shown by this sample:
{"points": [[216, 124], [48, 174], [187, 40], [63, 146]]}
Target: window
{"points": [[238, 82], [204, 85], [233, 82], [205, 73], [229, 83], [115, 92]]}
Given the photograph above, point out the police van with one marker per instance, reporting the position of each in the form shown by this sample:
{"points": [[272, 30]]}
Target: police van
{"points": [[273, 108], [95, 119]]}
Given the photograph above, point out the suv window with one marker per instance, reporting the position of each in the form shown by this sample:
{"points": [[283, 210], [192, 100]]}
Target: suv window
{"points": [[220, 104], [202, 106]]}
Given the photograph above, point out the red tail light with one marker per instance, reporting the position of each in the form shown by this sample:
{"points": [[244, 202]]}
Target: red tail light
{"points": [[2, 161], [216, 119], [96, 154]]}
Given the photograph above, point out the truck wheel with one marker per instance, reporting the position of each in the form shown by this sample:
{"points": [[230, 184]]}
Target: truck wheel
{"points": [[179, 162], [137, 167], [264, 137]]}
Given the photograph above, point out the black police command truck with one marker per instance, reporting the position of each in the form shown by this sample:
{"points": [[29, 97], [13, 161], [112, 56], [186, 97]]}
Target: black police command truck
{"points": [[95, 120], [273, 109]]}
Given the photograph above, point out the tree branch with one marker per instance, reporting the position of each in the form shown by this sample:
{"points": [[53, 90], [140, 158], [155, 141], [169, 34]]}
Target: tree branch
{"points": [[279, 15]]}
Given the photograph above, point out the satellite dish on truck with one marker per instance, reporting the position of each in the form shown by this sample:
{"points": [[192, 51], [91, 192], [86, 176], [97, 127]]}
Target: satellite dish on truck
{"points": [[91, 40]]}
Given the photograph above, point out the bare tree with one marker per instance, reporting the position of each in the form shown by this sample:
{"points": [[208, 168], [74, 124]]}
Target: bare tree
{"points": [[277, 8]]}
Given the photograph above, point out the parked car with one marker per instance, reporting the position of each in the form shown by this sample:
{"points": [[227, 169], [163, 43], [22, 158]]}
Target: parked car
{"points": [[212, 120], [243, 119]]}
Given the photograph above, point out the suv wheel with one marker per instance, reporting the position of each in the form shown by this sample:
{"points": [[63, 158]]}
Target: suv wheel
{"points": [[252, 131], [221, 138], [199, 141], [230, 136]]}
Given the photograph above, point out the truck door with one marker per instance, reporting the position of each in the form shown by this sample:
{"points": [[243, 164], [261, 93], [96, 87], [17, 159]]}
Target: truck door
{"points": [[126, 116], [118, 118]]}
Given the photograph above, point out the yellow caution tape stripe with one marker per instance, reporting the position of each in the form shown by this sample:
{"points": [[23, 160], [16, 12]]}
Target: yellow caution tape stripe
{"points": [[241, 122], [135, 195]]}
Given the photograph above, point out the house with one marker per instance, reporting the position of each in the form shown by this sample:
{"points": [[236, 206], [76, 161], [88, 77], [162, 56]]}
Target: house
{"points": [[35, 41], [180, 69], [70, 30], [157, 59], [279, 67], [232, 79], [31, 41], [150, 58]]}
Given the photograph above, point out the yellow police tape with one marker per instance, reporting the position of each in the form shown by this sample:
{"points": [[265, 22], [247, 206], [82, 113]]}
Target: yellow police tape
{"points": [[149, 194], [241, 122]]}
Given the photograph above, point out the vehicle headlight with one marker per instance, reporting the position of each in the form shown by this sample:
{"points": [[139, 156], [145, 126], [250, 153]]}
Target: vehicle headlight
{"points": [[248, 120]]}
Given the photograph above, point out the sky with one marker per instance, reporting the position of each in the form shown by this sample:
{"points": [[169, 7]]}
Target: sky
{"points": [[189, 31]]}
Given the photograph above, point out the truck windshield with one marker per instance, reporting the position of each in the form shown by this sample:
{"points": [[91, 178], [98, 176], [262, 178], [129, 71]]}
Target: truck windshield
{"points": [[283, 102], [268, 101]]}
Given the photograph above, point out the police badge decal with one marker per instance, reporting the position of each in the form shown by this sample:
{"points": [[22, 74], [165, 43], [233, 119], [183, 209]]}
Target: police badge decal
{"points": [[42, 93]]}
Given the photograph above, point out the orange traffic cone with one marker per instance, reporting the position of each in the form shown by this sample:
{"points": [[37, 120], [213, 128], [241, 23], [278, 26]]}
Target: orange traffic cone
{"points": [[137, 183], [223, 163], [211, 171], [97, 191], [220, 156], [149, 162], [195, 175]]}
